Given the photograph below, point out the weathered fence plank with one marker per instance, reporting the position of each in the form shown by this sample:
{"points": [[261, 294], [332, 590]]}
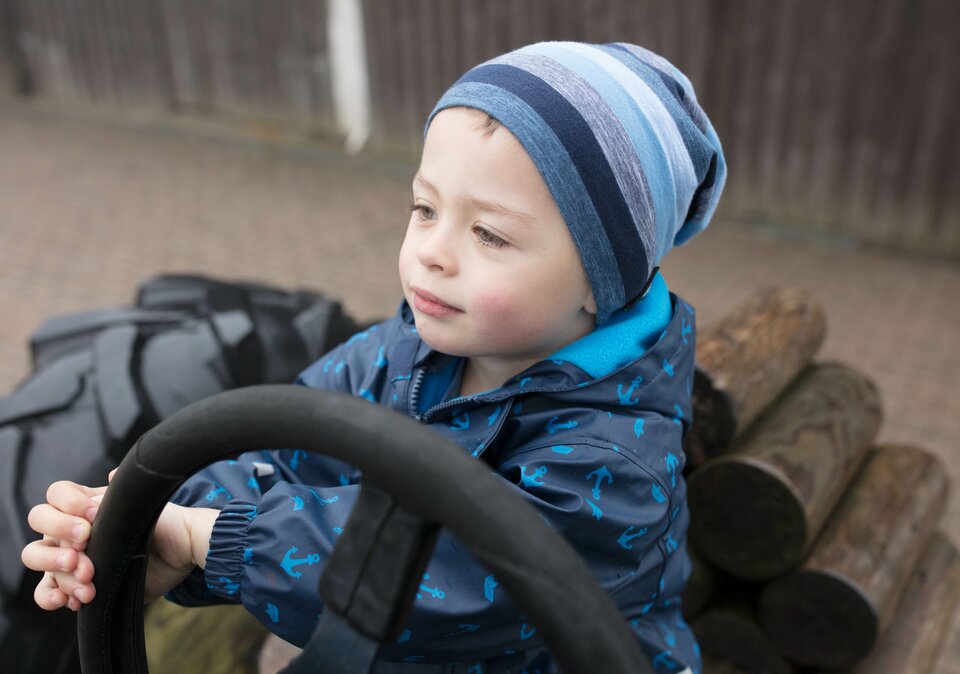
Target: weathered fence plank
{"points": [[12, 54]]}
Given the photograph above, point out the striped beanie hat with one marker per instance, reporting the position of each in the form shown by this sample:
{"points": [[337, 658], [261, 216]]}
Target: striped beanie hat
{"points": [[629, 156]]}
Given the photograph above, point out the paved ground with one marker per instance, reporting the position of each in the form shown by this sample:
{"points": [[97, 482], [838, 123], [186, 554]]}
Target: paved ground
{"points": [[90, 206]]}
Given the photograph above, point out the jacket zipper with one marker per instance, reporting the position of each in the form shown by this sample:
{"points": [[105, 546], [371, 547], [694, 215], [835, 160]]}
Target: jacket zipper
{"points": [[415, 394], [436, 409], [415, 398]]}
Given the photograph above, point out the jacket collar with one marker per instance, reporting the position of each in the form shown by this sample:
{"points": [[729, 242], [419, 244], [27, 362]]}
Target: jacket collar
{"points": [[640, 332]]}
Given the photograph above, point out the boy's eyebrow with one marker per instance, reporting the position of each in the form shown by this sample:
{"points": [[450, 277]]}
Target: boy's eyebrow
{"points": [[488, 206]]}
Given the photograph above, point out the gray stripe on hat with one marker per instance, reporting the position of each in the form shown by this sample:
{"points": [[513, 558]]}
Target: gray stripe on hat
{"points": [[660, 63], [611, 136]]}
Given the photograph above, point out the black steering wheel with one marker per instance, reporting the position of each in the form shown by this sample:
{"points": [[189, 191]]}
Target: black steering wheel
{"points": [[537, 567]]}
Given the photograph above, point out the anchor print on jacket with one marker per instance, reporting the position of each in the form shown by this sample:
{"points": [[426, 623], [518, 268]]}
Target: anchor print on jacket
{"points": [[434, 592], [594, 446], [555, 425], [601, 475], [289, 562], [532, 480], [625, 396]]}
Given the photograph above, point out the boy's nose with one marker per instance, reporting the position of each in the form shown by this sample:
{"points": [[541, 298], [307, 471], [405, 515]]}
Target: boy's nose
{"points": [[436, 250]]}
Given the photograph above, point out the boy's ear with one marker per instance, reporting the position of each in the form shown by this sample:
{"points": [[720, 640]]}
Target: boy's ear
{"points": [[590, 304]]}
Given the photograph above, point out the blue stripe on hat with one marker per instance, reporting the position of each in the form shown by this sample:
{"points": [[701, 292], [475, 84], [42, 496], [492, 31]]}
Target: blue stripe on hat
{"points": [[655, 61], [701, 150], [595, 172], [671, 76], [660, 151], [692, 135], [619, 146], [674, 169], [703, 144], [555, 165]]}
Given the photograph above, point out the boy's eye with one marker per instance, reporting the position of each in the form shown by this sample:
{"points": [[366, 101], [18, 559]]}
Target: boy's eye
{"points": [[488, 238], [423, 212]]}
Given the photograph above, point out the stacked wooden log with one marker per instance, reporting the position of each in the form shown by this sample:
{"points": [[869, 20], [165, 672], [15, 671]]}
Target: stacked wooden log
{"points": [[813, 547]]}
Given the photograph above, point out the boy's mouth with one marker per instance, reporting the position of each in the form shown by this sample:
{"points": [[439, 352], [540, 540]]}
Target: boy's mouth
{"points": [[431, 305]]}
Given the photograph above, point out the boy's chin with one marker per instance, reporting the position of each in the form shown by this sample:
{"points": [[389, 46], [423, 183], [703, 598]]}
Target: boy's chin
{"points": [[443, 346], [433, 337]]}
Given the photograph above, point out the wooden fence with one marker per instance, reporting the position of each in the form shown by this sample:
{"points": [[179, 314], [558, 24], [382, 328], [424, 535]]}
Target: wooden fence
{"points": [[838, 118], [222, 57]]}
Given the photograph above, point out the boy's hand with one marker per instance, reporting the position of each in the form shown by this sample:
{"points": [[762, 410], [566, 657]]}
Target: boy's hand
{"points": [[179, 543], [64, 520]]}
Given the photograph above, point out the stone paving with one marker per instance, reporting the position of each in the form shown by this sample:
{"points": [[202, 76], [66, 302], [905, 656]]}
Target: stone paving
{"points": [[90, 205]]}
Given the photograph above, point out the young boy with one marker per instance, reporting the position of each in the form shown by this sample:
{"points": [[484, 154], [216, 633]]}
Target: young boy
{"points": [[535, 332]]}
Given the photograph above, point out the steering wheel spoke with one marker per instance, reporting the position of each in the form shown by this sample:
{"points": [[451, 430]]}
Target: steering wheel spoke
{"points": [[373, 573]]}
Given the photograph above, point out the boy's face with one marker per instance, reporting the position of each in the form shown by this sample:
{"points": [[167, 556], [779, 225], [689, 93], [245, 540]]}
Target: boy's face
{"points": [[488, 265]]}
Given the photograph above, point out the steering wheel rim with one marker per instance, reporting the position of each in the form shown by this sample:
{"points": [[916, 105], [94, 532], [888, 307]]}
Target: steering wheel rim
{"points": [[557, 591]]}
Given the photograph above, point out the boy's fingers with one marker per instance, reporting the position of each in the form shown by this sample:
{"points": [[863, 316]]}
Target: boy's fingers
{"points": [[111, 474], [68, 572], [48, 520], [71, 497], [70, 586], [48, 596], [83, 571], [41, 556]]}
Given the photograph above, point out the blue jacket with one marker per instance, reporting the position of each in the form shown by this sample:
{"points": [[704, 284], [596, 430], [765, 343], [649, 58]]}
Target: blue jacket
{"points": [[591, 437]]}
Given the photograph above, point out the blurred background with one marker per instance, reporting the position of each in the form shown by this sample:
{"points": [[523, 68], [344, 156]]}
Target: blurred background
{"points": [[276, 141]]}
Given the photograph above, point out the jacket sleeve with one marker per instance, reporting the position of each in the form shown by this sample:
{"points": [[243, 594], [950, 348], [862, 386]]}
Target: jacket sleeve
{"points": [[245, 479], [268, 553]]}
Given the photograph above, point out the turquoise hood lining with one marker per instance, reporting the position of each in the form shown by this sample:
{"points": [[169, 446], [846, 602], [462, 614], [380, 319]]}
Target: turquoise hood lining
{"points": [[626, 336]]}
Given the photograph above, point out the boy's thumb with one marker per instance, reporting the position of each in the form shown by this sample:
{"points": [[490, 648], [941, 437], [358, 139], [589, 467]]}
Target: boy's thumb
{"points": [[111, 474], [91, 513]]}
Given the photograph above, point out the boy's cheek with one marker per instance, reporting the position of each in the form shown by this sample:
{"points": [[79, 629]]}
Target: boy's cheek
{"points": [[404, 258], [502, 317], [494, 305]]}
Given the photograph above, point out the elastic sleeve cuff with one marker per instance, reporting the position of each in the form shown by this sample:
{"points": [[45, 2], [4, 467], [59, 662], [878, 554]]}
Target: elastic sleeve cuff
{"points": [[225, 559]]}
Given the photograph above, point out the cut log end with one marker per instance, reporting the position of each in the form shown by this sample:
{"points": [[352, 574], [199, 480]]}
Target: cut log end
{"points": [[802, 612], [734, 638], [713, 665], [700, 586], [745, 519]]}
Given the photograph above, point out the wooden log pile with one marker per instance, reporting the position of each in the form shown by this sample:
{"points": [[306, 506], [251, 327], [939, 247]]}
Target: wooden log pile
{"points": [[814, 548]]}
